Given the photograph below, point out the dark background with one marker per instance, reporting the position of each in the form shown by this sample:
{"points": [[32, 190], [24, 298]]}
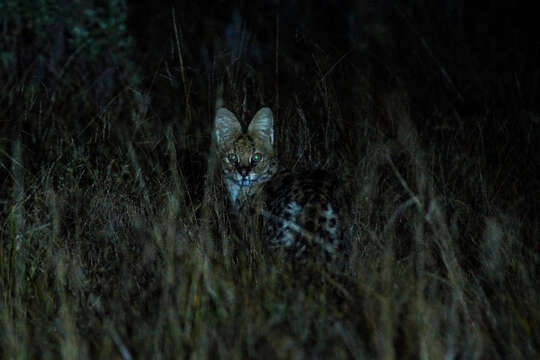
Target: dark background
{"points": [[475, 62]]}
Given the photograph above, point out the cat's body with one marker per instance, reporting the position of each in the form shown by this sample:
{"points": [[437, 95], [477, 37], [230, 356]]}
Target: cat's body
{"points": [[299, 210]]}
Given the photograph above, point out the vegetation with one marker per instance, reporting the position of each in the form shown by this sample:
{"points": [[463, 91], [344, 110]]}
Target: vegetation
{"points": [[115, 239]]}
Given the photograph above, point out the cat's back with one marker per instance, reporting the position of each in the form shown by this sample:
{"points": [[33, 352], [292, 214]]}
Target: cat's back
{"points": [[304, 187], [303, 211]]}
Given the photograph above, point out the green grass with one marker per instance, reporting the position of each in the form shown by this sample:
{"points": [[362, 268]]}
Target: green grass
{"points": [[116, 241]]}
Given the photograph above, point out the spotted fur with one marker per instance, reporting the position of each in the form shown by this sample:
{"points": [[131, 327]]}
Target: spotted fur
{"points": [[300, 210]]}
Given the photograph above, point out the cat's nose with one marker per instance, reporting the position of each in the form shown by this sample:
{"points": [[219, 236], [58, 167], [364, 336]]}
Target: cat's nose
{"points": [[243, 170]]}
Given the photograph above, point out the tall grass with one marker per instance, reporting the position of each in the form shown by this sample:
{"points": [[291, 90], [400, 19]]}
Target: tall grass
{"points": [[116, 238]]}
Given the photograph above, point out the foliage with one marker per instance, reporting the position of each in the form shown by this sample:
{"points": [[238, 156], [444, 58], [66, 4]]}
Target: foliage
{"points": [[50, 39]]}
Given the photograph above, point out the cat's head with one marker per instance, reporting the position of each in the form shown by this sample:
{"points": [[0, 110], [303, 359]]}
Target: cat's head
{"points": [[247, 156]]}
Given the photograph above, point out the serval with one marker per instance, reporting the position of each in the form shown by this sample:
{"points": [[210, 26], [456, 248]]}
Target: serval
{"points": [[299, 209]]}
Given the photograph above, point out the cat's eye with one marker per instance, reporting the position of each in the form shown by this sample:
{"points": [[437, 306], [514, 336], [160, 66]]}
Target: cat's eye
{"points": [[256, 157], [233, 158]]}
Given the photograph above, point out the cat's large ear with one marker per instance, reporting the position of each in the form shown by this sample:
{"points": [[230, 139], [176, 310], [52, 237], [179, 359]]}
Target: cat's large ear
{"points": [[226, 126], [262, 125]]}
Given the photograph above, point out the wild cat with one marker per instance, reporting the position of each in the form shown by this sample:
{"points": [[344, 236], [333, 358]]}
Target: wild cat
{"points": [[299, 210]]}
